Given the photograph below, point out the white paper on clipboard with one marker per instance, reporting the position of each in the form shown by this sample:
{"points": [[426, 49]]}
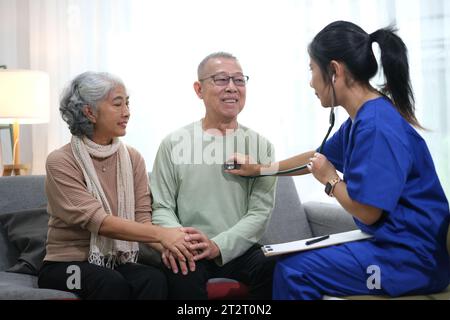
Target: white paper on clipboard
{"points": [[300, 245]]}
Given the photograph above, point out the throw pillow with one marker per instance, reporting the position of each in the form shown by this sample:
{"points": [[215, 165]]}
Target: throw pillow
{"points": [[27, 231], [148, 256]]}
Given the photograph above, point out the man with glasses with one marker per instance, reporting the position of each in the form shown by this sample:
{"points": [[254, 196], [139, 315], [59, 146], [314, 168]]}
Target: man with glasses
{"points": [[225, 215]]}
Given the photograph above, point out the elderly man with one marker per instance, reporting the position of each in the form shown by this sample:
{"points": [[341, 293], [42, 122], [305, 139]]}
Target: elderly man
{"points": [[191, 189]]}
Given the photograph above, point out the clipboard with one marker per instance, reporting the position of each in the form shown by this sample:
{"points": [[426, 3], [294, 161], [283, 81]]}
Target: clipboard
{"points": [[300, 245]]}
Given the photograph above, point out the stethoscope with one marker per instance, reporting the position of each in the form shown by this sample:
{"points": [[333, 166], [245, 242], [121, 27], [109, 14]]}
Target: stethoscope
{"points": [[303, 167]]}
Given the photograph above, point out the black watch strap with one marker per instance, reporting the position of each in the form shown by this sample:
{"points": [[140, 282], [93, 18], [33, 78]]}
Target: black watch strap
{"points": [[329, 187]]}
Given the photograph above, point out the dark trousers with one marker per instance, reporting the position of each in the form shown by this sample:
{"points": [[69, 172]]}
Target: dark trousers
{"points": [[127, 281], [251, 268]]}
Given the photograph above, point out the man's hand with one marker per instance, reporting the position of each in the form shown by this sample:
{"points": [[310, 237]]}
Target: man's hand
{"points": [[171, 262], [206, 249]]}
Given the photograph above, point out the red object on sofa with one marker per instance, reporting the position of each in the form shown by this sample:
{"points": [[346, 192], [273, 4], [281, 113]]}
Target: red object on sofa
{"points": [[226, 289]]}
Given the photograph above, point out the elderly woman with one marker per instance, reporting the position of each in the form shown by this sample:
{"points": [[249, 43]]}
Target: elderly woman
{"points": [[99, 201]]}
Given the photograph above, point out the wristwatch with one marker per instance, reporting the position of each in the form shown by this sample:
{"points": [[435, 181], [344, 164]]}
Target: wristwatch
{"points": [[329, 187]]}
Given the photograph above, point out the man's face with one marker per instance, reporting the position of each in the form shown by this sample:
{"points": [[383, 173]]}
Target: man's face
{"points": [[223, 101]]}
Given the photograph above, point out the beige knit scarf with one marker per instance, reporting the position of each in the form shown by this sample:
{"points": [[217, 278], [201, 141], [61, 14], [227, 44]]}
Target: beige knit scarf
{"points": [[104, 251]]}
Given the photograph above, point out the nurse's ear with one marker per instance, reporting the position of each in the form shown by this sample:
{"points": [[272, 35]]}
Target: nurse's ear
{"points": [[337, 70]]}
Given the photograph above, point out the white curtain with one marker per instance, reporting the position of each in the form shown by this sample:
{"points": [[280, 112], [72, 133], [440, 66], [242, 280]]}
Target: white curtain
{"points": [[155, 47]]}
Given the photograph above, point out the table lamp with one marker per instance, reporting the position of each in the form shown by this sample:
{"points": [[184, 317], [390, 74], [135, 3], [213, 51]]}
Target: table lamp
{"points": [[24, 99]]}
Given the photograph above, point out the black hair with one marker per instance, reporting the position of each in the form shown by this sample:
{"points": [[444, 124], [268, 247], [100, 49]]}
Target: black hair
{"points": [[348, 43]]}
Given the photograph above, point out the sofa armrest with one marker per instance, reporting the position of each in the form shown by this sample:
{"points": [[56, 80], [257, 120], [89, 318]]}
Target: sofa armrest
{"points": [[326, 218]]}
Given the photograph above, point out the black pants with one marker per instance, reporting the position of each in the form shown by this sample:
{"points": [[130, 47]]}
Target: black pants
{"points": [[251, 268], [128, 281]]}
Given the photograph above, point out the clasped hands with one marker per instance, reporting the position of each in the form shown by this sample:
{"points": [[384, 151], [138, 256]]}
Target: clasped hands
{"points": [[187, 246]]}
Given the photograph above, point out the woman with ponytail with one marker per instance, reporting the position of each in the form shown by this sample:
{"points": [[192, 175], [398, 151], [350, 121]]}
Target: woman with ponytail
{"points": [[389, 182], [99, 202]]}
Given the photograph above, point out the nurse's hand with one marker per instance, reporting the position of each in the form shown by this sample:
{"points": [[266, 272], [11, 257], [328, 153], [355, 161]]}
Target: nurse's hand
{"points": [[322, 169], [247, 166]]}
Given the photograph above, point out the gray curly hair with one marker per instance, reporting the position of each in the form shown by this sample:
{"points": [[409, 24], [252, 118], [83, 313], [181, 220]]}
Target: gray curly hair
{"points": [[88, 88]]}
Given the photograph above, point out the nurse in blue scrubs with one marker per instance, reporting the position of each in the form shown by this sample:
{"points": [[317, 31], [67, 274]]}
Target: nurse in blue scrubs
{"points": [[389, 183]]}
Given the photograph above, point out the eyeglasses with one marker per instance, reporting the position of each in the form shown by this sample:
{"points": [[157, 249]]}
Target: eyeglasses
{"points": [[223, 80]]}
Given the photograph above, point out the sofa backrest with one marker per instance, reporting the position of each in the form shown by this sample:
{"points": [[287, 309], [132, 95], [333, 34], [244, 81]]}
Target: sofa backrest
{"points": [[288, 221], [22, 192]]}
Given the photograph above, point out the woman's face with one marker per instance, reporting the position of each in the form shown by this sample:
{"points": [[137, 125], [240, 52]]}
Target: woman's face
{"points": [[322, 89], [112, 116]]}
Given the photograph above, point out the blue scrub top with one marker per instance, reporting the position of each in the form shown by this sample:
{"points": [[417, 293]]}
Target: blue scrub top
{"points": [[386, 164]]}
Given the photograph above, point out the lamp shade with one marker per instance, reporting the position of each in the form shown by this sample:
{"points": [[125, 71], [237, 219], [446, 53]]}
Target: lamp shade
{"points": [[24, 96]]}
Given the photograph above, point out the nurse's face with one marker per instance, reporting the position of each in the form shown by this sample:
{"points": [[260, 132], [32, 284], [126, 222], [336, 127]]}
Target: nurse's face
{"points": [[322, 89]]}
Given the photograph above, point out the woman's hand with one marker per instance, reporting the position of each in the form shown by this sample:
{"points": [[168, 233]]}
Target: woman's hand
{"points": [[177, 242], [248, 167], [322, 169]]}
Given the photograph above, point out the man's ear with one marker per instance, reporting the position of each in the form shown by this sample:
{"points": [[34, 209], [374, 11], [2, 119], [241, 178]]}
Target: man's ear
{"points": [[89, 113], [198, 89]]}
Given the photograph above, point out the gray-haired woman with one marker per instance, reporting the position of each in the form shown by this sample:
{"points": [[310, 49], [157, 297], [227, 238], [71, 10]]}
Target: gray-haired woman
{"points": [[99, 201]]}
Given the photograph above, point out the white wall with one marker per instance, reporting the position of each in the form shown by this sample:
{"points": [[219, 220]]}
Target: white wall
{"points": [[155, 47]]}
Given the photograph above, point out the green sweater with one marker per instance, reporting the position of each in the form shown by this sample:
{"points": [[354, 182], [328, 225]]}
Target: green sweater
{"points": [[190, 189]]}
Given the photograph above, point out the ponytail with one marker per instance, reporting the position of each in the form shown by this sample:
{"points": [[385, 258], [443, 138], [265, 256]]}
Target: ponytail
{"points": [[394, 59], [348, 43]]}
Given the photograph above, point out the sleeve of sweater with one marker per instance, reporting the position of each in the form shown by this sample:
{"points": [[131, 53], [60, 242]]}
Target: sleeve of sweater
{"points": [[250, 229], [142, 198], [68, 198], [164, 188]]}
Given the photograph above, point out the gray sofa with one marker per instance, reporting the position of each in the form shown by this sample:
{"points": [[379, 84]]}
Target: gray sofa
{"points": [[23, 232], [21, 195]]}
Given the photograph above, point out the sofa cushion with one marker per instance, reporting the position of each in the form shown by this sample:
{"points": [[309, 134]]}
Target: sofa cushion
{"points": [[444, 295], [226, 289], [15, 286], [8, 253], [149, 256], [27, 231], [328, 218]]}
